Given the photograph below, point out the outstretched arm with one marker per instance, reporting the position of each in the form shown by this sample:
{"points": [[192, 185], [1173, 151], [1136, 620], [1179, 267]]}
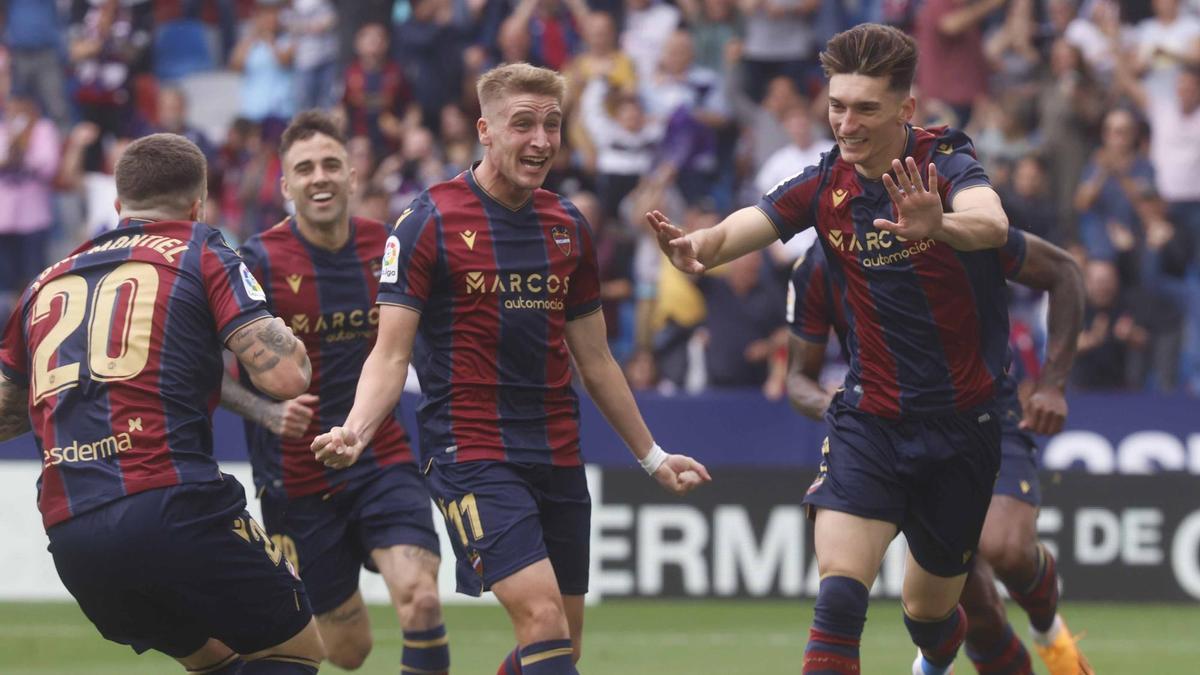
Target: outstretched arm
{"points": [[605, 383], [14, 409], [743, 231], [1049, 268], [379, 388], [976, 221]]}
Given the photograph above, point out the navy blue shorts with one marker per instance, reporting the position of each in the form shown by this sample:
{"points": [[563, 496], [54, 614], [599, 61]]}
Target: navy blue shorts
{"points": [[1018, 467], [504, 516], [932, 477], [330, 536], [167, 569]]}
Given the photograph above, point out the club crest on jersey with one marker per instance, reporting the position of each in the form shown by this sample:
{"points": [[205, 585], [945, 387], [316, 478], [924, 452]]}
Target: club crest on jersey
{"points": [[562, 238], [391, 261], [253, 290]]}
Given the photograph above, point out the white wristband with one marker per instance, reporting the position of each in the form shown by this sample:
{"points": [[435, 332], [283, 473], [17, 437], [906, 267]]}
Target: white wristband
{"points": [[653, 459]]}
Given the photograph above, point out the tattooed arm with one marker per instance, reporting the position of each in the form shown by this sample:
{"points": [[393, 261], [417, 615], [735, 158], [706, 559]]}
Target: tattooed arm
{"points": [[288, 419], [275, 359], [14, 409]]}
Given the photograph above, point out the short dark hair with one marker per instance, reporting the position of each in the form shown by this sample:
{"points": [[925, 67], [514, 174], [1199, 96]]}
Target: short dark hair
{"points": [[308, 124], [873, 50], [161, 172]]}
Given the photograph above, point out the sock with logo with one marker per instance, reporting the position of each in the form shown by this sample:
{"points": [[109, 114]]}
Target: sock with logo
{"points": [[1005, 657], [511, 664], [838, 619]]}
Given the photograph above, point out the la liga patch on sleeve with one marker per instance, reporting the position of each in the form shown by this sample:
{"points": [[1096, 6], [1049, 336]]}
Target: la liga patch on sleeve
{"points": [[391, 261], [253, 289]]}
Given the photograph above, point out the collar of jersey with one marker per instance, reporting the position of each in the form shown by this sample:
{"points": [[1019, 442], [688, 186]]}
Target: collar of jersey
{"points": [[317, 250], [483, 192]]}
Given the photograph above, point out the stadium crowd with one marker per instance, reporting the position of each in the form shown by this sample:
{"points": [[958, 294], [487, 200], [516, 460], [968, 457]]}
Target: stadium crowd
{"points": [[1086, 115]]}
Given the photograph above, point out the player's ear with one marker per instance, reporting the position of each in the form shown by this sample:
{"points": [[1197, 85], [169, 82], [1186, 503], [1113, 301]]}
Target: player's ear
{"points": [[908, 109], [352, 184], [283, 187], [196, 214], [117, 206], [481, 128]]}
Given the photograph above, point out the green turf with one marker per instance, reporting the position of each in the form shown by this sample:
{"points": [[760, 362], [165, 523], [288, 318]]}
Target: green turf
{"points": [[652, 637]]}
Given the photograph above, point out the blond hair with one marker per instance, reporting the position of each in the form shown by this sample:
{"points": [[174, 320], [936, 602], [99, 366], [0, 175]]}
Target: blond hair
{"points": [[519, 78]]}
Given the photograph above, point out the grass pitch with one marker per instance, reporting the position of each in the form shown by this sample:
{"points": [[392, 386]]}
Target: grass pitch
{"points": [[636, 637]]}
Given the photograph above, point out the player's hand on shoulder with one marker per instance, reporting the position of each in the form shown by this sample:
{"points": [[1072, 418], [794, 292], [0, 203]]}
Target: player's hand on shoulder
{"points": [[338, 448], [918, 203], [293, 416], [681, 474], [675, 243], [1045, 411]]}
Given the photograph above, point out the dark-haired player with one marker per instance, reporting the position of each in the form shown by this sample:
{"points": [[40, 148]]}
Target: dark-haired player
{"points": [[1008, 544], [320, 269], [914, 442], [498, 280], [115, 354]]}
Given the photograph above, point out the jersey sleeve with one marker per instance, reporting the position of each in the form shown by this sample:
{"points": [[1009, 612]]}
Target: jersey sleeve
{"points": [[1012, 254], [410, 256], [583, 296], [234, 295], [809, 315], [789, 205], [957, 166], [14, 357]]}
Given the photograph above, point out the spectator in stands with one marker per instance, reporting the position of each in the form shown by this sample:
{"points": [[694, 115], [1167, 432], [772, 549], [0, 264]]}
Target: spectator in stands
{"points": [[1109, 332], [1027, 201], [1072, 105], [691, 101], [648, 26], [264, 56], [624, 141], [460, 143], [378, 102], [614, 253], [717, 30], [744, 326], [1011, 50], [313, 26], [762, 126], [1114, 181], [953, 68], [32, 34], [553, 27], [108, 48], [779, 40], [171, 113], [29, 155], [431, 46], [405, 174], [226, 17], [1166, 42], [804, 149]]}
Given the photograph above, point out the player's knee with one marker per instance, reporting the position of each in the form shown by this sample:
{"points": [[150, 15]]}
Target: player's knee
{"points": [[1011, 554], [544, 619], [350, 652], [423, 606]]}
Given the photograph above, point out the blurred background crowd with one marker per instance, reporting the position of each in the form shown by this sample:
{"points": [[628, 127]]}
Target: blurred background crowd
{"points": [[1086, 114]]}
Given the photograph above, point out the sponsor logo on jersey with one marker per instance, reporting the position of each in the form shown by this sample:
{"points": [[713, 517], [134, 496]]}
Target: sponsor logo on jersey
{"points": [[253, 289], [88, 451], [391, 259], [548, 290]]}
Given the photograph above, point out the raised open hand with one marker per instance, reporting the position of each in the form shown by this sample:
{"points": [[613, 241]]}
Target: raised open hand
{"points": [[918, 205]]}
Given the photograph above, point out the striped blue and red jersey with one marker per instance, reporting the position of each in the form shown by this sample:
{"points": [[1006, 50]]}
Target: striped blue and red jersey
{"points": [[495, 288], [120, 344], [328, 299], [815, 305], [930, 323]]}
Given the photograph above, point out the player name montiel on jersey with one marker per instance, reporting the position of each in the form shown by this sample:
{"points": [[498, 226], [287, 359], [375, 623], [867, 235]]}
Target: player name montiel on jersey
{"points": [[815, 306], [929, 323], [495, 288], [328, 299], [121, 346]]}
